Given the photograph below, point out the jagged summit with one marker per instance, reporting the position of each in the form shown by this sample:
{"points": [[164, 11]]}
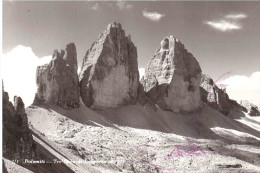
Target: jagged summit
{"points": [[71, 56], [252, 109], [114, 25], [58, 81], [109, 74], [214, 96], [168, 42], [17, 138], [172, 77]]}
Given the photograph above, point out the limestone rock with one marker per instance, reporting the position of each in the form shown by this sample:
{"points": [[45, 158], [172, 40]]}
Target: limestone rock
{"points": [[17, 138], [143, 99], [236, 106], [172, 77], [109, 75], [212, 95], [251, 108], [58, 81]]}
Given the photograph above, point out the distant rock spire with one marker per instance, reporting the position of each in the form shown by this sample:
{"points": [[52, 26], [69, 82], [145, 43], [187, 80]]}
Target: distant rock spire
{"points": [[252, 109], [17, 138]]}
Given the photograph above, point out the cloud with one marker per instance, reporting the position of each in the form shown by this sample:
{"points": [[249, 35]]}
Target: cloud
{"points": [[224, 25], [123, 5], [19, 72], [236, 16], [78, 71], [95, 7], [154, 16], [244, 88], [141, 72], [227, 23]]}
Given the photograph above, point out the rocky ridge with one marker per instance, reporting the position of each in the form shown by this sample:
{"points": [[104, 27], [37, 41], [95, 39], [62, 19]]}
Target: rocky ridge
{"points": [[172, 77], [109, 77], [251, 108], [17, 138], [58, 81], [212, 95], [109, 74]]}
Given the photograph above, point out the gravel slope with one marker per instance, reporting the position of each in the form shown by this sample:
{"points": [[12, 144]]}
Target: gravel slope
{"points": [[139, 139]]}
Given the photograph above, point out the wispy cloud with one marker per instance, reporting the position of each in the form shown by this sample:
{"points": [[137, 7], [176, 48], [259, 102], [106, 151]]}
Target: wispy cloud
{"points": [[228, 22], [123, 5], [224, 25], [236, 16], [154, 16], [96, 6]]}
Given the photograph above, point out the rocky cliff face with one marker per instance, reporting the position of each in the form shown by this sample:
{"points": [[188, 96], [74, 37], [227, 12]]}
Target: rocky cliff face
{"points": [[172, 77], [58, 81], [251, 108], [109, 75], [214, 96], [17, 138]]}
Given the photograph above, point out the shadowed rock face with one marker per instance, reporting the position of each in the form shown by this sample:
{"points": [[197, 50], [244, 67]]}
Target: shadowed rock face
{"points": [[215, 97], [251, 108], [58, 81], [17, 138], [172, 77], [109, 75]]}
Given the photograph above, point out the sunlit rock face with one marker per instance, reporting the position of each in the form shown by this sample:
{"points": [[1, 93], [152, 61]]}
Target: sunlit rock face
{"points": [[214, 96], [172, 77], [58, 81], [251, 108], [109, 76], [17, 138]]}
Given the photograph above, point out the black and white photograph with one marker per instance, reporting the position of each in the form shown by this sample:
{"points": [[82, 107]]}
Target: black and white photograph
{"points": [[130, 86]]}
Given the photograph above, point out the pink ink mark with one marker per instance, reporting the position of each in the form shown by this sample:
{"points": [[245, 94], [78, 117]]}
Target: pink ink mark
{"points": [[160, 167], [145, 144], [223, 75], [211, 92], [193, 149], [171, 153], [179, 153]]}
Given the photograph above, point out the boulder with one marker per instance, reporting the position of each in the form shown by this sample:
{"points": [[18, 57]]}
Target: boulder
{"points": [[172, 77], [251, 108], [212, 95], [58, 81], [109, 75]]}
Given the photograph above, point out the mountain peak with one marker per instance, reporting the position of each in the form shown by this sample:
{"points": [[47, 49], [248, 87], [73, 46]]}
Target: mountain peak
{"points": [[114, 25], [172, 77], [109, 75], [58, 81]]}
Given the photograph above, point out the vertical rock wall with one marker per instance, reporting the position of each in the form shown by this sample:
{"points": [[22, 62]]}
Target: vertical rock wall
{"points": [[17, 138], [172, 77], [58, 81], [109, 74], [214, 96]]}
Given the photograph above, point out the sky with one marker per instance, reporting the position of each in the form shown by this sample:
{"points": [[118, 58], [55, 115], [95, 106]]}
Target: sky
{"points": [[223, 36]]}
